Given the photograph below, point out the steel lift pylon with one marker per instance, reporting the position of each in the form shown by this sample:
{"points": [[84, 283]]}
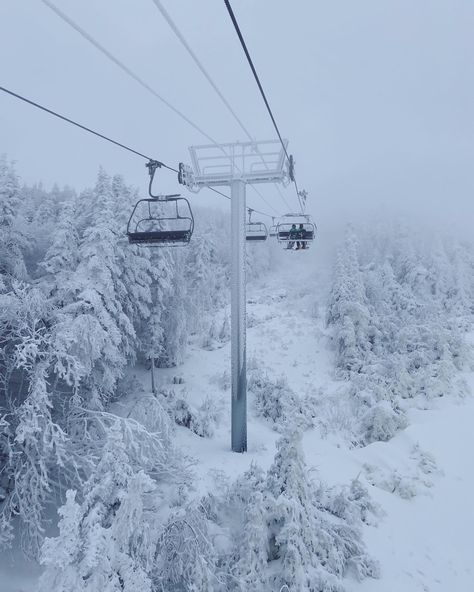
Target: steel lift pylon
{"points": [[235, 165]]}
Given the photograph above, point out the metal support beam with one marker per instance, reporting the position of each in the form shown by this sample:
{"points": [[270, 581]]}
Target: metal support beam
{"points": [[234, 165], [153, 383], [238, 318]]}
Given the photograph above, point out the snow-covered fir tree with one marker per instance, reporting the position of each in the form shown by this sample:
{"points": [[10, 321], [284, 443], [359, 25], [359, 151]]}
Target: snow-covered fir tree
{"points": [[397, 322], [13, 239], [106, 542], [79, 313]]}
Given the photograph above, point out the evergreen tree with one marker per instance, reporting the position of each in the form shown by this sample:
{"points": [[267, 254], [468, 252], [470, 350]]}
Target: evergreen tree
{"points": [[37, 445], [200, 282], [62, 257], [186, 560], [347, 308], [396, 310], [292, 522], [249, 561], [313, 552], [106, 543], [135, 262], [153, 328], [175, 317], [104, 336], [12, 236]]}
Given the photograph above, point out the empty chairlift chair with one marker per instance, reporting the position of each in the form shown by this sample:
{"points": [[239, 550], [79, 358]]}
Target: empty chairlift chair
{"points": [[255, 231], [160, 220]]}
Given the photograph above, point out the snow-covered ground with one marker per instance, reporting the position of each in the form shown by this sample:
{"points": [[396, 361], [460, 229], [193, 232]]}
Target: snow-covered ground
{"points": [[425, 543], [422, 478]]}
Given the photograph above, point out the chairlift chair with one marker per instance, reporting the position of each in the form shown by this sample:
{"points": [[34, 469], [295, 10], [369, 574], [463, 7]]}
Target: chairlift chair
{"points": [[306, 230], [160, 220], [255, 231]]}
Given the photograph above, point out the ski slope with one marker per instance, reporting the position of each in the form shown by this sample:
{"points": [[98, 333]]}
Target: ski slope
{"points": [[422, 540], [422, 478]]}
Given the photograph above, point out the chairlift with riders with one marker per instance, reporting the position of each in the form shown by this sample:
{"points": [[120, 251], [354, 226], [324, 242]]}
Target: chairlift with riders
{"points": [[296, 229]]}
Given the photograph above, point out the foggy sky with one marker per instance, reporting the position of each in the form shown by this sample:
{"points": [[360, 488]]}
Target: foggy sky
{"points": [[375, 96]]}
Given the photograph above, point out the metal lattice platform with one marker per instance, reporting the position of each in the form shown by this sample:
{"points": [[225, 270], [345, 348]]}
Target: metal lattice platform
{"points": [[251, 162]]}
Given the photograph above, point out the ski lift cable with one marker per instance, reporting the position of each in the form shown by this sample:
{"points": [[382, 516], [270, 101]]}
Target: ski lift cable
{"points": [[123, 67], [134, 76], [262, 92], [229, 198], [102, 136], [282, 196], [263, 199], [182, 39], [198, 63], [81, 126]]}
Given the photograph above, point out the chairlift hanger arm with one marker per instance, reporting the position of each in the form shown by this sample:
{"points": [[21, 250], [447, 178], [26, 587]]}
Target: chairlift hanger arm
{"points": [[152, 166]]}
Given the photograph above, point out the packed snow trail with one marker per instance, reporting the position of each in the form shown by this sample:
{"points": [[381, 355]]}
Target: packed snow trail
{"points": [[423, 540], [284, 337]]}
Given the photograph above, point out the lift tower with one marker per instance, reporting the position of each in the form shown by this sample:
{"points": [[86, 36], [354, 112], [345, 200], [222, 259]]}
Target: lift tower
{"points": [[235, 165]]}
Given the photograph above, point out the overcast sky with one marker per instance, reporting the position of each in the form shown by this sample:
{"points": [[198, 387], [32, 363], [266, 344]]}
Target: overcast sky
{"points": [[375, 96]]}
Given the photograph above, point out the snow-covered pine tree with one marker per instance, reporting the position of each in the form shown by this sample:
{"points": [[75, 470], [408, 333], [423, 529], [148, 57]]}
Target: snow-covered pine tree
{"points": [[137, 272], [152, 329], [313, 553], [275, 401], [31, 197], [175, 317], [347, 308], [94, 324], [461, 295], [36, 447], [43, 452], [13, 238], [200, 282], [152, 332], [408, 344], [293, 529], [62, 257], [285, 530], [186, 558], [47, 209], [249, 559], [108, 541]]}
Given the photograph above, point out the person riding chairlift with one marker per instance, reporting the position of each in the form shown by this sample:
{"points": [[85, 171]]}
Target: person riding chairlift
{"points": [[292, 236], [301, 233]]}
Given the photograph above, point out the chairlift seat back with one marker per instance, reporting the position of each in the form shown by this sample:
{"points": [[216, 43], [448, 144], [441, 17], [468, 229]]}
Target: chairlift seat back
{"points": [[256, 231], [161, 222]]}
